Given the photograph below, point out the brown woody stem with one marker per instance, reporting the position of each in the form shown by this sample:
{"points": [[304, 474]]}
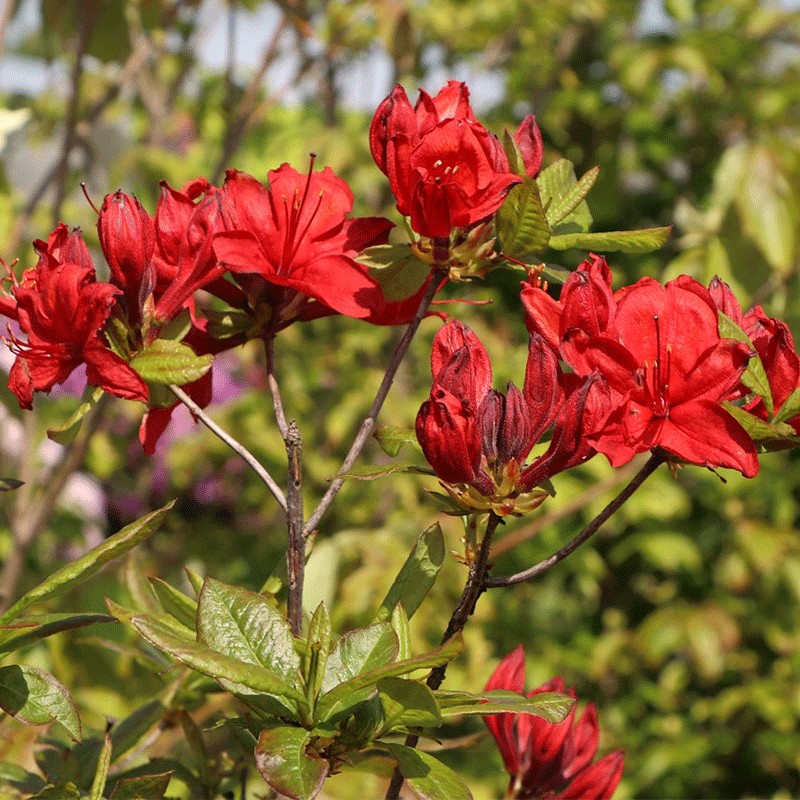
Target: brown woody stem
{"points": [[473, 589], [641, 476]]}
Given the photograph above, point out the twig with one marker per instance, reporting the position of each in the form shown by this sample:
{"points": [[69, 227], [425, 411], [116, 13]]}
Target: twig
{"points": [[537, 569], [234, 445], [517, 537], [383, 390], [296, 549], [31, 517], [473, 589]]}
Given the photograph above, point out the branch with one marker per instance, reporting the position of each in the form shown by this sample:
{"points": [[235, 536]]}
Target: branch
{"points": [[296, 550], [383, 390], [537, 569], [473, 589], [234, 445]]}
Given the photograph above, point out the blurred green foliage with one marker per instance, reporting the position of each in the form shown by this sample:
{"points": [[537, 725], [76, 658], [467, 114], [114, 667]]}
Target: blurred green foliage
{"points": [[681, 620]]}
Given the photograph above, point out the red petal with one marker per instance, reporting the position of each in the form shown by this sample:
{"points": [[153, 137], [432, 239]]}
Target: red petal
{"points": [[106, 369], [529, 141]]}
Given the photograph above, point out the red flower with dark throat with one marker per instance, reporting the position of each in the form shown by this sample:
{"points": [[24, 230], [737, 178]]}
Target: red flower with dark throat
{"points": [[295, 238], [660, 354]]}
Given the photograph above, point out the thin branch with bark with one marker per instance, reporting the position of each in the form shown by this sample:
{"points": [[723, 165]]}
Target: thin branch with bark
{"points": [[234, 445], [383, 390]]}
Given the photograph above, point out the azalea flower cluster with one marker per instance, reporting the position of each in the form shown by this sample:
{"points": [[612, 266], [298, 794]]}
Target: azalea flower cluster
{"points": [[545, 759]]}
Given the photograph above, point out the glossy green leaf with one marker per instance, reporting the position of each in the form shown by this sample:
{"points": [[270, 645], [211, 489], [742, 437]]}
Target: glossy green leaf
{"points": [[87, 565], [407, 704], [636, 241], [287, 765], [427, 776], [551, 706], [173, 639], [101, 773], [790, 408], [175, 602], [372, 473], [360, 651], [755, 376], [758, 430], [24, 631], [516, 163], [342, 696], [562, 206], [246, 626], [397, 270], [168, 362], [318, 645], [417, 575], [31, 695], [392, 439], [143, 787], [521, 223], [65, 433], [566, 210], [59, 791], [399, 623]]}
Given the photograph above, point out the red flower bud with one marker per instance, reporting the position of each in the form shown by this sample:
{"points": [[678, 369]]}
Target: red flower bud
{"points": [[127, 236], [529, 141], [448, 434]]}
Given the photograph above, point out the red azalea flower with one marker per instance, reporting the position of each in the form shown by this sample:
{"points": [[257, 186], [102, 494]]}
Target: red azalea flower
{"points": [[547, 760], [659, 351], [294, 243], [531, 146], [445, 169], [63, 308], [472, 434]]}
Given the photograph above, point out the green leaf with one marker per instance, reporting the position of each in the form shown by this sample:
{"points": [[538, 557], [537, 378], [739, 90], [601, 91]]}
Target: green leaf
{"points": [[84, 567], [65, 433], [399, 623], [515, 161], [636, 241], [287, 765], [372, 473], [174, 639], [359, 651], [760, 431], [127, 733], [59, 791], [790, 408], [101, 773], [175, 602], [561, 207], [33, 696], [556, 183], [407, 704], [24, 631], [318, 646], [9, 484], [19, 778], [427, 776], [417, 575], [177, 328], [166, 362], [392, 439], [247, 627], [224, 324], [144, 787], [397, 270], [521, 222], [341, 696], [551, 706], [755, 376]]}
